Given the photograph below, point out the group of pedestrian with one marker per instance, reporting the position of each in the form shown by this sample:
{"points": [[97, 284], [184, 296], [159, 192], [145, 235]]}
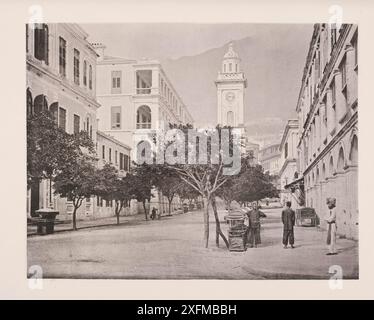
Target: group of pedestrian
{"points": [[253, 236]]}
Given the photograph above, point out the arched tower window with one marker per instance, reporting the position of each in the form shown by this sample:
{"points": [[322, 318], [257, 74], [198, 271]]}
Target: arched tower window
{"points": [[143, 117], [340, 165], [353, 154]]}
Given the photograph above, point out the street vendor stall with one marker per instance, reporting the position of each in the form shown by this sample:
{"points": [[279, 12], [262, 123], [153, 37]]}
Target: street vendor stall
{"points": [[237, 230]]}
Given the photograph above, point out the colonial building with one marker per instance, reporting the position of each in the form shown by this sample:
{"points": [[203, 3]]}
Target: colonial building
{"points": [[137, 100], [269, 157], [230, 84], [327, 113], [288, 171], [136, 97], [61, 77], [113, 152]]}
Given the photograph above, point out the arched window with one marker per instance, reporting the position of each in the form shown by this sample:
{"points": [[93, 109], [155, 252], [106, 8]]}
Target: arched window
{"points": [[85, 73], [323, 172], [54, 111], [143, 117], [90, 77], [353, 154], [230, 118], [224, 67], [340, 165], [40, 103], [331, 166], [29, 105]]}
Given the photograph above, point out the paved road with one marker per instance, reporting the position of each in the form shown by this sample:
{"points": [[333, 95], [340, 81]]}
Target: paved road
{"points": [[172, 248]]}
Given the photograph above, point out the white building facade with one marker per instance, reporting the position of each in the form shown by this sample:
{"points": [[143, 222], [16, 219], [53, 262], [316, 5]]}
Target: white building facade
{"points": [[327, 113], [60, 77], [230, 84], [137, 101], [288, 162], [136, 98]]}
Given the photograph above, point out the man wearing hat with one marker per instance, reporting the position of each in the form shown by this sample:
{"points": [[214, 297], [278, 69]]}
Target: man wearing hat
{"points": [[254, 226], [288, 219], [331, 222]]}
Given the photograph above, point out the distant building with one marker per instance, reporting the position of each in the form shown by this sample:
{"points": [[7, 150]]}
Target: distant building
{"points": [[230, 84], [328, 134], [269, 157], [252, 149], [288, 171]]}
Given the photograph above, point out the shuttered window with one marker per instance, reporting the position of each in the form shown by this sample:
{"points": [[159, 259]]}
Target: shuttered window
{"points": [[76, 66], [62, 57], [76, 123], [62, 118]]}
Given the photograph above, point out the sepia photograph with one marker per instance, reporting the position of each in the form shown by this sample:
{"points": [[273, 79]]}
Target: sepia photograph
{"points": [[192, 150]]}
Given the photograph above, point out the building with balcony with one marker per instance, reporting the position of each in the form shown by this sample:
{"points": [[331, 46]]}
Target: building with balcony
{"points": [[136, 98], [288, 171], [328, 133]]}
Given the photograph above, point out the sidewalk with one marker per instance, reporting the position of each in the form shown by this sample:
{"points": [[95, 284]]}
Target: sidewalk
{"points": [[307, 261], [67, 225]]}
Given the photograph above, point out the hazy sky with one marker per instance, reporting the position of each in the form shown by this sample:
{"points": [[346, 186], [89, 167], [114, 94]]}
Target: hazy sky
{"points": [[273, 57], [174, 40]]}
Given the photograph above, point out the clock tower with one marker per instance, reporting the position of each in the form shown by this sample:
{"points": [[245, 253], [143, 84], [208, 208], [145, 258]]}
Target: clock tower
{"points": [[230, 84]]}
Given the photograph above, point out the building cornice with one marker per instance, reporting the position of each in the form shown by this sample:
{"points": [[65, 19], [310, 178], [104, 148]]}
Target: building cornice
{"points": [[350, 123], [285, 164], [58, 80], [112, 139]]}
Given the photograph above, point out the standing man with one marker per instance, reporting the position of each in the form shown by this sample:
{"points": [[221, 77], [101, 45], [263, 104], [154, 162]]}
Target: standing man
{"points": [[288, 219], [331, 222], [254, 226]]}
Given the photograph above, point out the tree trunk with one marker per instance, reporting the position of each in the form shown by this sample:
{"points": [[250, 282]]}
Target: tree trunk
{"points": [[218, 224], [145, 210], [206, 222], [170, 207], [75, 217]]}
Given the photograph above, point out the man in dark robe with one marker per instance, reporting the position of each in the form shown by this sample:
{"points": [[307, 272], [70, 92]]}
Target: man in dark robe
{"points": [[254, 226], [288, 219]]}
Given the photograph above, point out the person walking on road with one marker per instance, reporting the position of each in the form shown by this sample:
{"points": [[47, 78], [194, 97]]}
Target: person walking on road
{"points": [[330, 218], [288, 219], [254, 226]]}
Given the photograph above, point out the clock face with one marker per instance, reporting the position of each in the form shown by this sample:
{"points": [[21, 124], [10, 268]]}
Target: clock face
{"points": [[230, 96]]}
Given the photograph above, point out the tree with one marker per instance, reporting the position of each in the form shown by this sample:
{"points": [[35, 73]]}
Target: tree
{"points": [[112, 187], [186, 192], [50, 149], [206, 179], [255, 185], [76, 182], [141, 181]]}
